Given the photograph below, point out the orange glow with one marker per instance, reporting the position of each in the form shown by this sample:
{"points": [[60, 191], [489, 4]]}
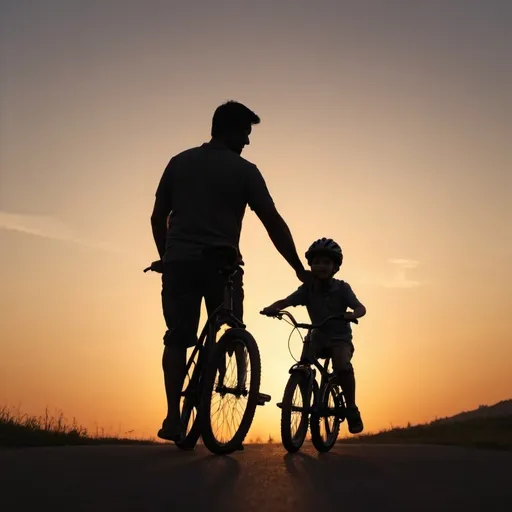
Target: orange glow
{"points": [[390, 145]]}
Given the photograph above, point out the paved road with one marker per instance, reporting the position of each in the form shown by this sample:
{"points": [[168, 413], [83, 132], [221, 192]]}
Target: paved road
{"points": [[262, 478]]}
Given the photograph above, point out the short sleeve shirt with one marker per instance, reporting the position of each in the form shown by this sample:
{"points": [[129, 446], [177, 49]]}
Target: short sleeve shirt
{"points": [[323, 303], [208, 189]]}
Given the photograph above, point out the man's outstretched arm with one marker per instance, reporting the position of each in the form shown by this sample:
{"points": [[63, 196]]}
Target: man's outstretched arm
{"points": [[282, 238], [262, 204]]}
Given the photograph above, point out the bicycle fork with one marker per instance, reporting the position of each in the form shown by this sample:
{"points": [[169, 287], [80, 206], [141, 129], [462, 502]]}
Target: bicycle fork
{"points": [[309, 374]]}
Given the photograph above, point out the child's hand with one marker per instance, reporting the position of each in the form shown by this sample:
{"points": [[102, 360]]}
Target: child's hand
{"points": [[270, 311], [349, 315]]}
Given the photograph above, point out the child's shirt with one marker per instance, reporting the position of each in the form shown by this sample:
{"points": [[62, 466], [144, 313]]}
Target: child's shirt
{"points": [[322, 303]]}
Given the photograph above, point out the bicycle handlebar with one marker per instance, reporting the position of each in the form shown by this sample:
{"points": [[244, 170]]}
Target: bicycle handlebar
{"points": [[156, 266], [279, 315]]}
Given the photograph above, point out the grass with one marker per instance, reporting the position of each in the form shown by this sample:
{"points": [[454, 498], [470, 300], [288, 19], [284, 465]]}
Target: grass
{"points": [[21, 430], [493, 433]]}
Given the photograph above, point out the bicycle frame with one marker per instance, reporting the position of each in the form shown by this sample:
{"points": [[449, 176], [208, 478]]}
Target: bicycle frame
{"points": [[223, 314], [308, 364]]}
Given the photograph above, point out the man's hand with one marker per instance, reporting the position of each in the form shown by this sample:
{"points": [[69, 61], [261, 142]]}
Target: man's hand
{"points": [[305, 276], [156, 266]]}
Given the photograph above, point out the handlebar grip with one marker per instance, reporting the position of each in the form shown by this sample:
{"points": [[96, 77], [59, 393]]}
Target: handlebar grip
{"points": [[276, 315], [156, 266]]}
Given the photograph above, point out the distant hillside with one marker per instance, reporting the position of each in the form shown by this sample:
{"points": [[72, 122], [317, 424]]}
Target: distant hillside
{"points": [[500, 409], [485, 427]]}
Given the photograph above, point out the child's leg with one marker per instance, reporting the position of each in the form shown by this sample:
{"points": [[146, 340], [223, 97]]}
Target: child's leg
{"points": [[342, 352], [341, 357]]}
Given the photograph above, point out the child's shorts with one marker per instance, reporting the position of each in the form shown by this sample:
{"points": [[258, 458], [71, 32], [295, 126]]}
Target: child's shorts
{"points": [[341, 350]]}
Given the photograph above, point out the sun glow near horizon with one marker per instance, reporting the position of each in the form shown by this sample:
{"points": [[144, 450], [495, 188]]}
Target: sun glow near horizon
{"points": [[391, 141]]}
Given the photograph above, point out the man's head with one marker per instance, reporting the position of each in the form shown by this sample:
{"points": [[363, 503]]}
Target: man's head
{"points": [[324, 257], [232, 124]]}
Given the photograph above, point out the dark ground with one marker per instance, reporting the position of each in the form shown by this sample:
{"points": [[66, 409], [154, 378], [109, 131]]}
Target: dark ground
{"points": [[262, 478]]}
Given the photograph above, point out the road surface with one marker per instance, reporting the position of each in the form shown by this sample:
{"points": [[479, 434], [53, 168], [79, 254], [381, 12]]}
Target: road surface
{"points": [[262, 478]]}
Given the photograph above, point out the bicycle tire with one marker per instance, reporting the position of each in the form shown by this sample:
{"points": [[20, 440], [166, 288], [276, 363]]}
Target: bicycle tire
{"points": [[188, 403], [327, 390], [230, 339], [293, 442]]}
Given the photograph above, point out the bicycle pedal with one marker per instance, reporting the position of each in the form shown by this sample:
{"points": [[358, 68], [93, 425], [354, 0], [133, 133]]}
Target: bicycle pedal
{"points": [[263, 398]]}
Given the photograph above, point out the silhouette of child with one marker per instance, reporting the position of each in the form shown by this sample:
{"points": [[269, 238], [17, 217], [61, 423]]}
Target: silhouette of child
{"points": [[323, 297]]}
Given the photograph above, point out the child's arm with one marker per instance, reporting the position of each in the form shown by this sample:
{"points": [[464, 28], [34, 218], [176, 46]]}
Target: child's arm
{"points": [[358, 309], [276, 306], [358, 312], [297, 298]]}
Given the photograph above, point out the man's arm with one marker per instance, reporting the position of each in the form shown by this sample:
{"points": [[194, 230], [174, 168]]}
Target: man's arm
{"points": [[282, 238], [159, 217], [161, 210], [262, 204]]}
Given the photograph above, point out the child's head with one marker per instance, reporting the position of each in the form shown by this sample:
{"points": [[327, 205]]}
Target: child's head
{"points": [[325, 257]]}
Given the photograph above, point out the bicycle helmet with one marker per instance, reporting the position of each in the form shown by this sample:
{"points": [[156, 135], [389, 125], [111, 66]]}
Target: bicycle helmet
{"points": [[327, 247]]}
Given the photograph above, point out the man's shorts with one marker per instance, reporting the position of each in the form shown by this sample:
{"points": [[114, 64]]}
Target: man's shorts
{"points": [[184, 285]]}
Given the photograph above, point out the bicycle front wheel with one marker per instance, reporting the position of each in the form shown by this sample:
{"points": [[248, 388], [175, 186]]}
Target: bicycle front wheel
{"points": [[325, 421], [230, 391], [295, 410]]}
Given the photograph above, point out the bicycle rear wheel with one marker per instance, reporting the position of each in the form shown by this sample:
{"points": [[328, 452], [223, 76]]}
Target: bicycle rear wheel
{"points": [[327, 417], [230, 391], [295, 412], [189, 403]]}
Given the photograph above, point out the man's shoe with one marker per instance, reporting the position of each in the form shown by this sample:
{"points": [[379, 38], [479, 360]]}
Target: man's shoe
{"points": [[170, 431]]}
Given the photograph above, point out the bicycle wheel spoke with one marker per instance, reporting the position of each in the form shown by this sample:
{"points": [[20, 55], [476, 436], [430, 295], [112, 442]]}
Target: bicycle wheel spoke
{"points": [[325, 423], [227, 407], [230, 391]]}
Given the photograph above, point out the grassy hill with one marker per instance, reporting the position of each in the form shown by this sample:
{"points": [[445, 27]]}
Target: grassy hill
{"points": [[498, 410], [485, 427], [19, 430]]}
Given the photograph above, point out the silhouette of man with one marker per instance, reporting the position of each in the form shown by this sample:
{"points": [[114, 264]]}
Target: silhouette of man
{"points": [[200, 202]]}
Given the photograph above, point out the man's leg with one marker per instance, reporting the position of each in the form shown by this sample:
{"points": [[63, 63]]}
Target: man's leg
{"points": [[181, 301], [341, 358]]}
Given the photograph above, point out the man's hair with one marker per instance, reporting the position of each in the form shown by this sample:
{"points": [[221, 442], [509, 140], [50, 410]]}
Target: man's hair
{"points": [[232, 117]]}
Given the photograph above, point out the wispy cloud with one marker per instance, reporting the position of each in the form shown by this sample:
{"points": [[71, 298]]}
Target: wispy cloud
{"points": [[399, 278], [50, 228]]}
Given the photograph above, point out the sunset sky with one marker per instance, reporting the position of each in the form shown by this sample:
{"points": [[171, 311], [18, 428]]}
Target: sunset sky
{"points": [[386, 125]]}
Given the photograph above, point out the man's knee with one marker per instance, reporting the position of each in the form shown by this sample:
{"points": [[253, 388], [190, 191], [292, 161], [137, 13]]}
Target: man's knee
{"points": [[341, 358], [344, 368], [180, 338]]}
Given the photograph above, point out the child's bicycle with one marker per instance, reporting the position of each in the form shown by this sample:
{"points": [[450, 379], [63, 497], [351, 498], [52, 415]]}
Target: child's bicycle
{"points": [[305, 402], [214, 379]]}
